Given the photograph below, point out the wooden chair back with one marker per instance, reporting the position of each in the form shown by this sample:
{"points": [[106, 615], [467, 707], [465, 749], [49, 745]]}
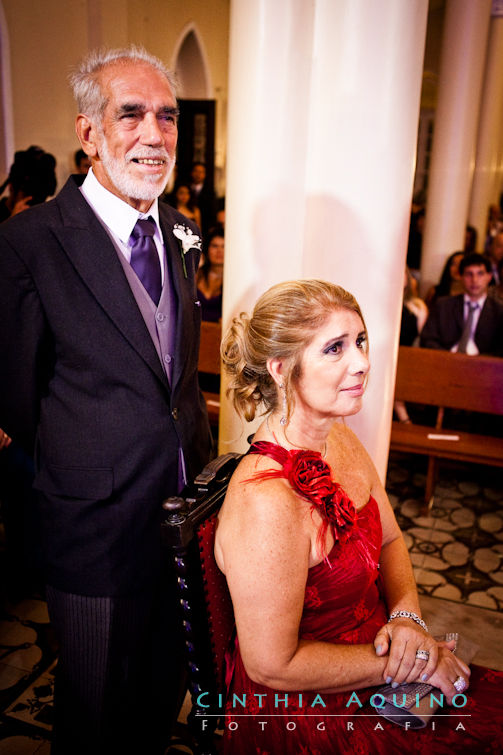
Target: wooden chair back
{"points": [[205, 607]]}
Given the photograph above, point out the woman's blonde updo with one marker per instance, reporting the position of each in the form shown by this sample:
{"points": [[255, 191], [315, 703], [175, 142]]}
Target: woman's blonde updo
{"points": [[283, 323]]}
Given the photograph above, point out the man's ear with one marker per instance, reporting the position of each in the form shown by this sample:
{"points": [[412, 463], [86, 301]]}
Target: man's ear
{"points": [[275, 368], [87, 134]]}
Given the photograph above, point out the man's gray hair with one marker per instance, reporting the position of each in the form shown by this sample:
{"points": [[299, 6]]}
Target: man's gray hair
{"points": [[85, 80]]}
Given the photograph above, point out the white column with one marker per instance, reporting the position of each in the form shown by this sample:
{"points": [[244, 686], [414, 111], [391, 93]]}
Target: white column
{"points": [[464, 42], [322, 138], [487, 177]]}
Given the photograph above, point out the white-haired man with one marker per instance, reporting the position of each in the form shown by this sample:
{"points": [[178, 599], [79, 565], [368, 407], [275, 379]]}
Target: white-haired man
{"points": [[99, 337]]}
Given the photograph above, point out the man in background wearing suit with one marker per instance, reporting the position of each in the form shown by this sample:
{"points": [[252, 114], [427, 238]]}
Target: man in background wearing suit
{"points": [[99, 337], [470, 322]]}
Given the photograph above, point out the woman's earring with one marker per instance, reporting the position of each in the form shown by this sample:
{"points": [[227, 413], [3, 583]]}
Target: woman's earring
{"points": [[283, 420]]}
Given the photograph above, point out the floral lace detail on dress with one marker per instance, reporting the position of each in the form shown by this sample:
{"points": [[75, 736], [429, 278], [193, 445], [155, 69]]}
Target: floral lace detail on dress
{"points": [[311, 478]]}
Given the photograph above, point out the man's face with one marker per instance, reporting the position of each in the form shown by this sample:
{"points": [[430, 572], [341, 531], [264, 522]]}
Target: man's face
{"points": [[136, 142], [198, 174], [475, 281]]}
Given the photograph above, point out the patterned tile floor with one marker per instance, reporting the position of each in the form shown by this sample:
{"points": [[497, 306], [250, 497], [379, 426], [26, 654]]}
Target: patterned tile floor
{"points": [[457, 550], [457, 553]]}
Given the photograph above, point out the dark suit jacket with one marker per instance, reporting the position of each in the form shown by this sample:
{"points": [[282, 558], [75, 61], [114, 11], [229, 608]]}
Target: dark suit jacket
{"points": [[81, 385], [444, 325]]}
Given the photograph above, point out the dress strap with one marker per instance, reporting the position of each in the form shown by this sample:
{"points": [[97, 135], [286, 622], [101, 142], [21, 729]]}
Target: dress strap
{"points": [[310, 477]]}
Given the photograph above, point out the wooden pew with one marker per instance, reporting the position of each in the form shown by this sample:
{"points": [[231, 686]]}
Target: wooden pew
{"points": [[209, 362], [455, 381]]}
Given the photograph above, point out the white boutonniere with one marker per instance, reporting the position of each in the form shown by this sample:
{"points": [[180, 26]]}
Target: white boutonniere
{"points": [[188, 240]]}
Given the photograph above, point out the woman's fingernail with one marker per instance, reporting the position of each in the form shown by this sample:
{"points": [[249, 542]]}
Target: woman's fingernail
{"points": [[388, 679], [394, 685], [424, 677], [378, 649]]}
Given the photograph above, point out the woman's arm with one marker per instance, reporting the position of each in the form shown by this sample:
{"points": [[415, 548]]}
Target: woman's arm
{"points": [[263, 545]]}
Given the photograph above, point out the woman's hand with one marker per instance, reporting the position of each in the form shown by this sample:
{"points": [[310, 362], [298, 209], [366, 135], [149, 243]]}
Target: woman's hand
{"points": [[403, 638], [449, 669]]}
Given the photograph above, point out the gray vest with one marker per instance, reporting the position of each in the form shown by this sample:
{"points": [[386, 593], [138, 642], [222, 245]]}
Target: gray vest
{"points": [[160, 320]]}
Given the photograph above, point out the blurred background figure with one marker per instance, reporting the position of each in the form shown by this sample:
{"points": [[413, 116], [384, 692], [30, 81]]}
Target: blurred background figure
{"points": [[470, 239], [82, 162], [182, 200], [450, 282], [203, 196], [220, 215], [415, 243], [494, 225], [497, 289], [210, 275], [414, 316], [495, 255], [31, 179]]}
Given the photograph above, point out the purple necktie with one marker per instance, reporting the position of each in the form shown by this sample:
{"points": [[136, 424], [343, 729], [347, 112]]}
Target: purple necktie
{"points": [[145, 259]]}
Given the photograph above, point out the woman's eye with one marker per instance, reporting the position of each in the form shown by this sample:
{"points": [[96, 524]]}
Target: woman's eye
{"points": [[335, 348], [360, 342]]}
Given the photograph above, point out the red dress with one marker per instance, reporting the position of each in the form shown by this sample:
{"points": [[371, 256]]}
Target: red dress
{"points": [[343, 605]]}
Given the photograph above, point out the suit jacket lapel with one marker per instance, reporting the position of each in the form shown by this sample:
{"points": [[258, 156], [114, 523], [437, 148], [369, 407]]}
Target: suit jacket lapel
{"points": [[93, 255], [184, 288]]}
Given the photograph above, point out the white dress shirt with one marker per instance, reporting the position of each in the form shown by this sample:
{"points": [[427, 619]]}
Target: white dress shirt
{"points": [[119, 218]]}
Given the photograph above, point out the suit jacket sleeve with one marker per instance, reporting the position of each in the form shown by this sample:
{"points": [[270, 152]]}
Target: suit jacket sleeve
{"points": [[430, 334], [25, 346]]}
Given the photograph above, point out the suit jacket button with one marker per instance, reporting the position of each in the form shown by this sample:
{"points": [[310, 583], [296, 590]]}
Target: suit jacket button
{"points": [[174, 413]]}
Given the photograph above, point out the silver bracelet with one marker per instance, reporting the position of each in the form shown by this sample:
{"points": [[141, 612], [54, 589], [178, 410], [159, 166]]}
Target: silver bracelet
{"points": [[408, 615]]}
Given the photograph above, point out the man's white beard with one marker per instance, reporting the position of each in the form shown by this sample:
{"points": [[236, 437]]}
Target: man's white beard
{"points": [[149, 187]]}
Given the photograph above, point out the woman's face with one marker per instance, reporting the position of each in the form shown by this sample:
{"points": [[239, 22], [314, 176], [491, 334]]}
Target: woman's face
{"points": [[454, 267], [333, 368], [216, 249], [182, 194]]}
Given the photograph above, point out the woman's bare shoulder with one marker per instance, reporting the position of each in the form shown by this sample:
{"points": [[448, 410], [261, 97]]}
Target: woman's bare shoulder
{"points": [[265, 512]]}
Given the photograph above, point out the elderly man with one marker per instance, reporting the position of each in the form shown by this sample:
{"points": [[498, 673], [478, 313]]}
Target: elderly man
{"points": [[99, 338], [469, 322]]}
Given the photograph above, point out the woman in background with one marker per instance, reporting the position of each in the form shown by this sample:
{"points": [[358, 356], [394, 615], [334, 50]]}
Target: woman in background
{"points": [[414, 316], [450, 282], [183, 202], [211, 274]]}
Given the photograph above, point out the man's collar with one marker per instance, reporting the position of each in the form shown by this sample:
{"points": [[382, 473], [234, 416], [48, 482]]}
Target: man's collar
{"points": [[117, 215], [480, 301]]}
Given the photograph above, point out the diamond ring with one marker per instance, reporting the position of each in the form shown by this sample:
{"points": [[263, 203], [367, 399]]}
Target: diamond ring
{"points": [[423, 655], [460, 684]]}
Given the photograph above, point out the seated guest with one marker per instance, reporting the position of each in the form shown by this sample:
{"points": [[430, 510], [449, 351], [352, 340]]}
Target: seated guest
{"points": [[450, 282], [471, 322], [321, 583], [210, 275], [414, 314]]}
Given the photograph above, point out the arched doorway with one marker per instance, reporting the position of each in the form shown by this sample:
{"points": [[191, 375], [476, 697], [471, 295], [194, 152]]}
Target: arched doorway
{"points": [[196, 137]]}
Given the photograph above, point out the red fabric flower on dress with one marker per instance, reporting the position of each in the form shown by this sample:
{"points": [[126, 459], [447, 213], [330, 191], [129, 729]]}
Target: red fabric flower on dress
{"points": [[311, 477]]}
